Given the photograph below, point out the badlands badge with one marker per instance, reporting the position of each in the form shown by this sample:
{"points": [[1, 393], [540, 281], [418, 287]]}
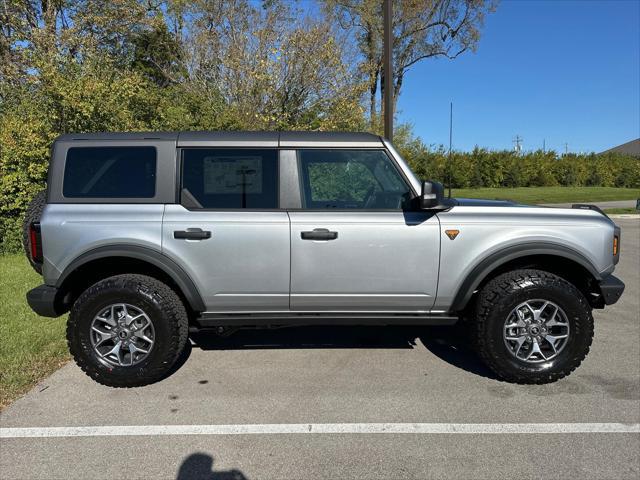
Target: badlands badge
{"points": [[452, 234]]}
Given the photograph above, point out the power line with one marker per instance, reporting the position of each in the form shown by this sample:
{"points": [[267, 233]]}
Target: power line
{"points": [[517, 142]]}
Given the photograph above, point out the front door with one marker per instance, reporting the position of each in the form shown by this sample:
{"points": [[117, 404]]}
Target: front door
{"points": [[355, 245], [228, 233]]}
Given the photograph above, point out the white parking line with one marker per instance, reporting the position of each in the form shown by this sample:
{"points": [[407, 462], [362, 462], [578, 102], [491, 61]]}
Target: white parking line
{"points": [[321, 428]]}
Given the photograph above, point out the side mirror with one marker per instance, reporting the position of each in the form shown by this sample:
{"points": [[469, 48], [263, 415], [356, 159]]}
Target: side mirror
{"points": [[431, 196]]}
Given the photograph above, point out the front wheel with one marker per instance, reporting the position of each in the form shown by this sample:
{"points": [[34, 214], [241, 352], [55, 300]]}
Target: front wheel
{"points": [[127, 330], [532, 326]]}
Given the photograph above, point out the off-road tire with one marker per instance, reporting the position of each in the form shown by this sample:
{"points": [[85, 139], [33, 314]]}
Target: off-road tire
{"points": [[32, 215], [501, 295], [157, 300]]}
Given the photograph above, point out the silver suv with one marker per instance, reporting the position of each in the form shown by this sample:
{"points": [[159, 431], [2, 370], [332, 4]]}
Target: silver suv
{"points": [[145, 237]]}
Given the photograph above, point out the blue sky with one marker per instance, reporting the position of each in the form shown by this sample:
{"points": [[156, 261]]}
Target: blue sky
{"points": [[564, 71]]}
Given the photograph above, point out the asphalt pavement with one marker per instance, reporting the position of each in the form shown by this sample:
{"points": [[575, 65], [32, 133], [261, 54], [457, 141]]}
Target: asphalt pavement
{"points": [[354, 378]]}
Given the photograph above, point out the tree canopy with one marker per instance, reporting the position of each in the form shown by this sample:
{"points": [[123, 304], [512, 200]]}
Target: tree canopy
{"points": [[132, 65]]}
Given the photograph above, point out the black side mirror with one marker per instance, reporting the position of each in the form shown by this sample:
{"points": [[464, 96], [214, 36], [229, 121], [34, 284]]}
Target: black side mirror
{"points": [[431, 196]]}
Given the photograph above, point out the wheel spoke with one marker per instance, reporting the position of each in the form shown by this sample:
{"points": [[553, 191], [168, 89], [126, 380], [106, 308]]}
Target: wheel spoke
{"points": [[535, 348], [552, 339], [537, 315], [521, 319], [145, 325], [104, 336], [114, 314], [116, 350], [108, 321], [519, 323], [133, 348], [520, 341], [551, 321], [133, 318], [140, 334]]}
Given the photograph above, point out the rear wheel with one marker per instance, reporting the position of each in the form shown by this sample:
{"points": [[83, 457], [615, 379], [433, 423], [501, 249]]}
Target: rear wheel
{"points": [[127, 330], [532, 326]]}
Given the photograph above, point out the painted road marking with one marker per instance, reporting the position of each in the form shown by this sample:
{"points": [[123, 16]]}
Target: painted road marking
{"points": [[321, 428]]}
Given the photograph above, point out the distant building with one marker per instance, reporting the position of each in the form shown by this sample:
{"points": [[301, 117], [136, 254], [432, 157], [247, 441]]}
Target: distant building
{"points": [[629, 148]]}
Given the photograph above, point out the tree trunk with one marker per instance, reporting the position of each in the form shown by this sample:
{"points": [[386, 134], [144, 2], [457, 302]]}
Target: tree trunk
{"points": [[373, 84], [396, 90]]}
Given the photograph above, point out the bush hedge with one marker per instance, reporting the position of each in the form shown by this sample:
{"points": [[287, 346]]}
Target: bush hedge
{"points": [[486, 168], [24, 151]]}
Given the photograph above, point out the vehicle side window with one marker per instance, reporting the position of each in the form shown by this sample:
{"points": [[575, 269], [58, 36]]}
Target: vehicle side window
{"points": [[110, 172], [225, 178], [351, 179]]}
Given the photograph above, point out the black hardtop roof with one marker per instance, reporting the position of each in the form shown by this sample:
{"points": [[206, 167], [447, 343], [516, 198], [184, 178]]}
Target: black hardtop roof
{"points": [[236, 138]]}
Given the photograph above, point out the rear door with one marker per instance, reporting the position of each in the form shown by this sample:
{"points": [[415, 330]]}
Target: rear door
{"points": [[355, 244], [228, 232]]}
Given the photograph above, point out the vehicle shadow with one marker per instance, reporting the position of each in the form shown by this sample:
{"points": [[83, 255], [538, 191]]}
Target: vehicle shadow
{"points": [[453, 345], [199, 466], [449, 344]]}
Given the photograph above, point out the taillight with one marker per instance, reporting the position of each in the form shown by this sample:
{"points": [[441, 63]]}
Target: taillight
{"points": [[615, 245], [35, 240]]}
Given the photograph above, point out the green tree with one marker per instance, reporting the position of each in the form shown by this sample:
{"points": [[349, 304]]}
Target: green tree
{"points": [[157, 54], [422, 29]]}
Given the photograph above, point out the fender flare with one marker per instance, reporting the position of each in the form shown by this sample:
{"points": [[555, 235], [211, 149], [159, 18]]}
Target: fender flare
{"points": [[496, 259], [154, 257]]}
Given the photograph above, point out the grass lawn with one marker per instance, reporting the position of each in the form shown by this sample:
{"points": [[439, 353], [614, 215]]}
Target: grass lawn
{"points": [[31, 347], [536, 195], [618, 211]]}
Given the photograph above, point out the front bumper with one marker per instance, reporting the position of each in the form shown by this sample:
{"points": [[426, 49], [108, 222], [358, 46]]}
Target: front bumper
{"points": [[45, 301], [611, 288]]}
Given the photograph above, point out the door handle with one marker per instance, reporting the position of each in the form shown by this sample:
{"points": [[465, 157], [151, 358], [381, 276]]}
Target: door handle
{"points": [[319, 234], [192, 234]]}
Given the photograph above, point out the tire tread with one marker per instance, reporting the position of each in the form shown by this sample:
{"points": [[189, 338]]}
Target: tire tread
{"points": [[169, 302], [506, 284]]}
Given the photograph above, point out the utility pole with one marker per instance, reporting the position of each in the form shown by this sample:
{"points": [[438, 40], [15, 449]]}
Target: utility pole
{"points": [[517, 141], [566, 148], [544, 145], [450, 144], [387, 8]]}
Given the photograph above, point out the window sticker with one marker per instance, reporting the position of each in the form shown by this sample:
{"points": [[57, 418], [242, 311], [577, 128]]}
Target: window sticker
{"points": [[232, 174]]}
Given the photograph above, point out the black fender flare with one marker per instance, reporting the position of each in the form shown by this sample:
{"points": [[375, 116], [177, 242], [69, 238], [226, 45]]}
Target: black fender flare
{"points": [[496, 259], [149, 255]]}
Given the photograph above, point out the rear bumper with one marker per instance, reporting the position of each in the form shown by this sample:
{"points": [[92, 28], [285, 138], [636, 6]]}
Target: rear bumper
{"points": [[611, 288], [45, 301]]}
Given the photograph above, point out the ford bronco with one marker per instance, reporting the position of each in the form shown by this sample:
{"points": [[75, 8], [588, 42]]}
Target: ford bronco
{"points": [[146, 237]]}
